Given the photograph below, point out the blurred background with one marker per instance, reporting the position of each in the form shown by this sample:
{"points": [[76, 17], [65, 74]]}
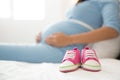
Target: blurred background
{"points": [[21, 20]]}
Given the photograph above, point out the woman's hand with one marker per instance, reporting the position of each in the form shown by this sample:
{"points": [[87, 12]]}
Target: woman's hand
{"points": [[58, 40], [38, 37]]}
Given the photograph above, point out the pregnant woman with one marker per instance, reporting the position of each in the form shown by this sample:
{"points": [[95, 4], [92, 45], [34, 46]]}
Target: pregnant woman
{"points": [[88, 21]]}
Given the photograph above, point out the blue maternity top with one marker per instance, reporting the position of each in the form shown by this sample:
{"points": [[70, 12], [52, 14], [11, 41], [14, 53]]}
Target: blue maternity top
{"points": [[97, 13]]}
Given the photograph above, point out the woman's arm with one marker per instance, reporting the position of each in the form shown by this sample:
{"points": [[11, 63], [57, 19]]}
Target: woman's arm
{"points": [[97, 35], [61, 39], [111, 24]]}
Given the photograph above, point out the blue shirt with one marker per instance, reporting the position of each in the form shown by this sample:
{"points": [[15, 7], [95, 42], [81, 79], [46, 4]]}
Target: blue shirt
{"points": [[97, 13]]}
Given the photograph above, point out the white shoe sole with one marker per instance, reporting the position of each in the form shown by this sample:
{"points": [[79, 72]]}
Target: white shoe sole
{"points": [[69, 68], [93, 68]]}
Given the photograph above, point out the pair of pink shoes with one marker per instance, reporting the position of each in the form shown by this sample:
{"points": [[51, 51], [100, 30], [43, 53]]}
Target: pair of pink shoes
{"points": [[87, 60]]}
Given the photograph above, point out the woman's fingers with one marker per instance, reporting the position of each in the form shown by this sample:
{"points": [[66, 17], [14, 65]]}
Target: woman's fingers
{"points": [[50, 39], [38, 38], [57, 40]]}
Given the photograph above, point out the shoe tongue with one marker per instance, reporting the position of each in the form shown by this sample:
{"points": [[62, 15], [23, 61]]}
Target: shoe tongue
{"points": [[87, 48], [75, 48]]}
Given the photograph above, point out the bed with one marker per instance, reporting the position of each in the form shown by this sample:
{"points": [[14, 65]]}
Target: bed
{"points": [[12, 70]]}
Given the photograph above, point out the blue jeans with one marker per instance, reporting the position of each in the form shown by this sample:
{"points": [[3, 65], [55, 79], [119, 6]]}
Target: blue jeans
{"points": [[43, 52]]}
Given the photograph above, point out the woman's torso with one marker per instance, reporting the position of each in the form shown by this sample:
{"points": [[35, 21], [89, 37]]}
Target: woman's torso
{"points": [[88, 11]]}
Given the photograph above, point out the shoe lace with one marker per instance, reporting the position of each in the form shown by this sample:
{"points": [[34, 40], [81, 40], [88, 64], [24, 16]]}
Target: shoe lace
{"points": [[90, 54], [70, 54]]}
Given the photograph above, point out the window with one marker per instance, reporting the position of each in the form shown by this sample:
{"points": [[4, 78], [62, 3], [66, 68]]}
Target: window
{"points": [[23, 9], [5, 11]]}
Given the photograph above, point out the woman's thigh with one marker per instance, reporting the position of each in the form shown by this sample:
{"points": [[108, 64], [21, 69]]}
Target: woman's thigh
{"points": [[31, 53]]}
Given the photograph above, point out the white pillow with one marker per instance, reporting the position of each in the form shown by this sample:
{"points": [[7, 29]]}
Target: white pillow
{"points": [[108, 48]]}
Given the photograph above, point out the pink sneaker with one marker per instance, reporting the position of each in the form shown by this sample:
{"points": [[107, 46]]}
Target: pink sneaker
{"points": [[89, 60], [71, 61]]}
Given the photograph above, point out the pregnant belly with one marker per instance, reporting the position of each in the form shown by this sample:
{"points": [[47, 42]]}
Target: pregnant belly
{"points": [[66, 27]]}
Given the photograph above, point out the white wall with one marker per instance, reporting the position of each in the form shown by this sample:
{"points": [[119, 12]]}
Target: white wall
{"points": [[12, 31]]}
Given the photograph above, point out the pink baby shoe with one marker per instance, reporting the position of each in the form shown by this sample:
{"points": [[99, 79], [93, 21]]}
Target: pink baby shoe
{"points": [[71, 61], [90, 60]]}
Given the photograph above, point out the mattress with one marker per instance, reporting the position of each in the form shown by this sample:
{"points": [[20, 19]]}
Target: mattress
{"points": [[12, 70]]}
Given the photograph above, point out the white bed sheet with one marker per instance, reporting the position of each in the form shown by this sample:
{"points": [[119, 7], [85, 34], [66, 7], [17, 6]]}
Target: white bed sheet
{"points": [[11, 70]]}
